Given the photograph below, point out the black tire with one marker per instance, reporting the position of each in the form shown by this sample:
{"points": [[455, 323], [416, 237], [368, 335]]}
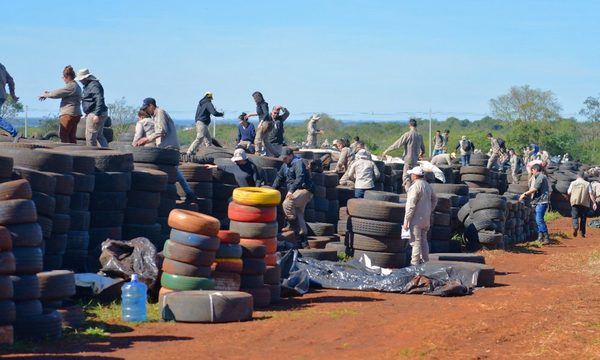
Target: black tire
{"points": [[517, 188], [272, 275], [253, 251], [6, 288], [169, 170], [80, 201], [330, 179], [46, 225], [265, 161], [474, 178], [486, 274], [41, 159], [56, 285], [319, 254], [320, 229], [7, 263], [110, 160], [318, 179], [376, 210], [476, 170], [382, 196], [464, 212], [253, 267], [457, 189], [474, 258], [65, 183], [376, 227], [140, 216], [38, 180], [15, 189], [254, 230], [44, 203], [174, 267], [108, 134], [55, 245], [498, 214], [61, 223], [25, 235], [442, 219], [251, 281], [17, 212], [6, 166], [206, 306], [223, 191], [25, 287], [154, 155], [112, 181], [148, 180], [47, 326], [28, 260], [487, 203], [152, 232], [377, 243], [62, 204], [196, 172], [143, 199], [78, 240], [201, 189], [489, 238], [320, 191], [106, 219], [8, 312], [440, 232], [383, 259], [487, 224], [28, 308]]}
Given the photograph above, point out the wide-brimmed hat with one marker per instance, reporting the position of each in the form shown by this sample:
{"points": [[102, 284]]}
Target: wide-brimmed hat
{"points": [[417, 170], [84, 74], [238, 155], [315, 117]]}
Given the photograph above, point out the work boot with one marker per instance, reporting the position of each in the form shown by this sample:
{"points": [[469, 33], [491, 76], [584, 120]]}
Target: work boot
{"points": [[540, 237], [583, 235], [574, 232], [546, 239], [291, 225]]}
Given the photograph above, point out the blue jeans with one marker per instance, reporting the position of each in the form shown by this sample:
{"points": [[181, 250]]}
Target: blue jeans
{"points": [[436, 152], [465, 159], [186, 187], [540, 210], [5, 125], [360, 193]]}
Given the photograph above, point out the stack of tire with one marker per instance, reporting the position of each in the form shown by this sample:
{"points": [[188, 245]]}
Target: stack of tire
{"points": [[107, 131], [253, 215], [143, 200], [56, 286], [199, 177], [379, 183], [227, 268], [190, 252], [375, 231], [523, 214], [475, 176], [445, 217], [61, 224], [560, 181], [485, 222], [330, 182], [320, 234], [7, 267], [165, 160]]}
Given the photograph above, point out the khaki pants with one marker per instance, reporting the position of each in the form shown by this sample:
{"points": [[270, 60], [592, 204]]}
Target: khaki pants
{"points": [[202, 137], [68, 128], [406, 182], [261, 142], [420, 247], [493, 160], [278, 149], [311, 140], [94, 131], [294, 208], [514, 176]]}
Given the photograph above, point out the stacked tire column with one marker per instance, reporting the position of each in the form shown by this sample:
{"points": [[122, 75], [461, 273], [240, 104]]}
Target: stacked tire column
{"points": [[143, 200], [253, 215], [7, 268], [199, 177], [227, 268], [190, 251]]}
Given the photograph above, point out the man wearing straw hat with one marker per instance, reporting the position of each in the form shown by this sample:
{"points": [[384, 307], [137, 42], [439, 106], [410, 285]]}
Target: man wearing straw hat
{"points": [[94, 108]]}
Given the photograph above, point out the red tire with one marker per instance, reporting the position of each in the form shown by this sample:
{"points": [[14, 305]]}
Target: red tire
{"points": [[247, 213], [271, 259], [228, 237], [270, 244], [228, 265]]}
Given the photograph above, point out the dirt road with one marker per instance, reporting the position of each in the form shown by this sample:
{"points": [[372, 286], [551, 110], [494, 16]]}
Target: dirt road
{"points": [[546, 305]]}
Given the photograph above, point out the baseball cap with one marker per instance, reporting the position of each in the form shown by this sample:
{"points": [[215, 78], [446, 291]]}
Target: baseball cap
{"points": [[286, 152], [147, 102], [417, 170]]}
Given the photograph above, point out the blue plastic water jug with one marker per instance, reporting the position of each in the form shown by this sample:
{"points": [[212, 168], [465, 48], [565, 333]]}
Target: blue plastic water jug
{"points": [[133, 300]]}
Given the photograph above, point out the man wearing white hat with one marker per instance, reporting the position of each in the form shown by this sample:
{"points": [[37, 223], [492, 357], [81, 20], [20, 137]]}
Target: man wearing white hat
{"points": [[92, 102], [313, 131], [420, 203], [246, 173]]}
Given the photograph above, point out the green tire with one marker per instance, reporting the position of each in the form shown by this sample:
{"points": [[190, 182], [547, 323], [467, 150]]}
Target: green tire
{"points": [[180, 282]]}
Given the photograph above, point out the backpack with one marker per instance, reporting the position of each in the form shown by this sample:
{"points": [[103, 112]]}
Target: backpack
{"points": [[501, 143], [465, 145]]}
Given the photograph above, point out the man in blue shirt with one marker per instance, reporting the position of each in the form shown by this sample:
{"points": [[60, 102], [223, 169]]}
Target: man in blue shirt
{"points": [[246, 134]]}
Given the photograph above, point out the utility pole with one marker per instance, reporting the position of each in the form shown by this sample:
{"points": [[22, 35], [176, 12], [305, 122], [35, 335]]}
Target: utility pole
{"points": [[430, 132]]}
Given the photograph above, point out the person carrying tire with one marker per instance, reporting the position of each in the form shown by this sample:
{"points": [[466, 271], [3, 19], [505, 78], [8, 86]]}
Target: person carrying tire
{"points": [[70, 106], [420, 203], [582, 199], [279, 115], [466, 147], [265, 126], [313, 132], [6, 79], [94, 108], [246, 134], [165, 137], [299, 192], [539, 192], [203, 111], [496, 150], [364, 172], [413, 145]]}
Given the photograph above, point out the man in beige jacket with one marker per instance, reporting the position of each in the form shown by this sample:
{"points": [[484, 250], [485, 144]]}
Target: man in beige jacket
{"points": [[582, 197], [420, 203], [413, 145]]}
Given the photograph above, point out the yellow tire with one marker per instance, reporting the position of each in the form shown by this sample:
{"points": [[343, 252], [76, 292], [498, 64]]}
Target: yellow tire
{"points": [[256, 196]]}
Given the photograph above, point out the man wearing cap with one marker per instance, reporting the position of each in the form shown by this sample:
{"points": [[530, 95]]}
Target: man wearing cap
{"points": [[245, 171], [203, 111], [413, 145], [279, 115], [94, 108], [582, 199], [364, 172], [420, 203], [313, 131], [299, 191], [466, 147], [6, 79], [165, 136], [443, 159], [246, 133]]}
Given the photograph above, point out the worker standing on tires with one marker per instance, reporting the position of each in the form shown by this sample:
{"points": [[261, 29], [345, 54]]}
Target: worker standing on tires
{"points": [[70, 106], [364, 172], [265, 126], [466, 147], [420, 203], [203, 111], [165, 137], [539, 190], [94, 108], [313, 132], [497, 146], [515, 167], [246, 173], [413, 145], [582, 199], [279, 115], [6, 79], [299, 191]]}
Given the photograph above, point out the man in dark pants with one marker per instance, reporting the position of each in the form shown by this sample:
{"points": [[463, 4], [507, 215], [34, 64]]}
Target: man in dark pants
{"points": [[581, 195], [299, 192], [279, 115], [6, 79]]}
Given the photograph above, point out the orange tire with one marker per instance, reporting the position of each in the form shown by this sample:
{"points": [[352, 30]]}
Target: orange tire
{"points": [[270, 244], [228, 237], [228, 265], [248, 213], [193, 222], [164, 291], [271, 259]]}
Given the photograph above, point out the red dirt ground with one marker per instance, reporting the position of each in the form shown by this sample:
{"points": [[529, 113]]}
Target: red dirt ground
{"points": [[546, 305]]}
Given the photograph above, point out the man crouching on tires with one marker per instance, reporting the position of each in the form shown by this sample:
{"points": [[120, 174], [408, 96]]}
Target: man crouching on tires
{"points": [[299, 192], [420, 203]]}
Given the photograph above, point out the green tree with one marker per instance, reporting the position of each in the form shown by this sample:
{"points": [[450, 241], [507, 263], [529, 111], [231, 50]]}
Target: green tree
{"points": [[122, 115], [527, 104]]}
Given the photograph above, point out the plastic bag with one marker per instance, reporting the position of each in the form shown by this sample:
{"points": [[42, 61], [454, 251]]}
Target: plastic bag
{"points": [[122, 258]]}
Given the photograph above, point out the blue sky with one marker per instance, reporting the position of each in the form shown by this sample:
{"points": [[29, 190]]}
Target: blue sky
{"points": [[353, 59]]}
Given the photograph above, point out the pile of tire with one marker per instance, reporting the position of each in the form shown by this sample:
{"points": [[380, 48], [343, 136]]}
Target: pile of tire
{"points": [[324, 205], [522, 214], [7, 266], [375, 229], [484, 220], [200, 179], [56, 287], [143, 200], [559, 181], [107, 131], [227, 267], [190, 252], [253, 215], [223, 185], [444, 221], [392, 178], [320, 234], [475, 176], [165, 160]]}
